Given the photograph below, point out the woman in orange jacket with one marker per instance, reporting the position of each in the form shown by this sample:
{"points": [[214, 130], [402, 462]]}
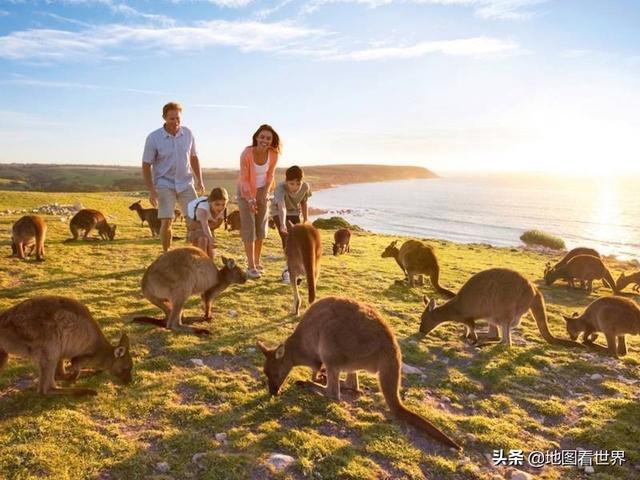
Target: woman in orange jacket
{"points": [[257, 169]]}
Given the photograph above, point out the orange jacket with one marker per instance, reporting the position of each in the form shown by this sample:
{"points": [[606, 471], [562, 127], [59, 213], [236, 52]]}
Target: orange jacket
{"points": [[247, 182]]}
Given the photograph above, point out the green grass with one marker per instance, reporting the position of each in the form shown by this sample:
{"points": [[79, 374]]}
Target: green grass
{"points": [[544, 239], [533, 396]]}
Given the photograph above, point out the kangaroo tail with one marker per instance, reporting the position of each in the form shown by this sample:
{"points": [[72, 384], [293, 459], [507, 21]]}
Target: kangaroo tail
{"points": [[539, 313], [610, 282], [435, 281], [158, 322], [389, 377]]}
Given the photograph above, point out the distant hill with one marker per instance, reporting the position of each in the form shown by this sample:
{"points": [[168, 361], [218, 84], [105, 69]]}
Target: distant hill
{"points": [[104, 178]]}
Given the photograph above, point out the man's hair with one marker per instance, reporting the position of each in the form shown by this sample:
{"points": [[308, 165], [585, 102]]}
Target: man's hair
{"points": [[294, 173], [171, 106]]}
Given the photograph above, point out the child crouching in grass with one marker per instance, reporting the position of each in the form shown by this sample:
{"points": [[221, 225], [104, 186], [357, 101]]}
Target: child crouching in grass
{"points": [[207, 214]]}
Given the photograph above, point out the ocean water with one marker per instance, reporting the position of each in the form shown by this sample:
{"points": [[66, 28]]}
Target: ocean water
{"points": [[602, 213]]}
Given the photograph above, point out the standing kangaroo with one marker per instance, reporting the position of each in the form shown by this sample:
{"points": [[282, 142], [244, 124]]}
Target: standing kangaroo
{"points": [[345, 335], [614, 316], [341, 240], [416, 258], [585, 268], [87, 219], [178, 274], [624, 280], [499, 295], [29, 232], [52, 329], [150, 215], [303, 251]]}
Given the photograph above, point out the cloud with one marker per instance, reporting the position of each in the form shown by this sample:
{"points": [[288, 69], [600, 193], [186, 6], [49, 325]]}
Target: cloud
{"points": [[3, 13], [487, 9], [101, 41], [30, 82], [476, 46]]}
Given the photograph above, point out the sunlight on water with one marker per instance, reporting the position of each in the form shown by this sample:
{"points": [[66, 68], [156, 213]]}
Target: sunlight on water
{"points": [[594, 212]]}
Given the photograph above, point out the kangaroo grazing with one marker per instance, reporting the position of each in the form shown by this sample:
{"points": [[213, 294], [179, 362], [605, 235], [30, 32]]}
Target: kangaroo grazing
{"points": [[416, 258], [585, 268], [341, 241], [52, 329], [29, 232], [345, 335], [303, 252], [233, 221], [178, 274], [87, 219], [499, 295], [570, 254], [613, 316], [149, 215], [624, 280]]}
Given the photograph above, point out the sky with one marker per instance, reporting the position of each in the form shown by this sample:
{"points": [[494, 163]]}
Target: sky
{"points": [[451, 85]]}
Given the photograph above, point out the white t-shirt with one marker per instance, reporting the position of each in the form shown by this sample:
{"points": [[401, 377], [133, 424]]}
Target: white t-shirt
{"points": [[261, 174], [201, 204]]}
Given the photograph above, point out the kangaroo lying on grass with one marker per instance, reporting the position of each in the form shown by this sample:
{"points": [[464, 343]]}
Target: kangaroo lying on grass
{"points": [[613, 316], [416, 258], [29, 232], [303, 252], [178, 274], [233, 221], [87, 220], [341, 240], [345, 335], [499, 295], [149, 215], [624, 280], [585, 268], [53, 329]]}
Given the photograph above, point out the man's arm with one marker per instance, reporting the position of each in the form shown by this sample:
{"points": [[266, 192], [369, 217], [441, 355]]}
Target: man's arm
{"points": [[282, 215], [305, 211], [148, 181], [195, 168]]}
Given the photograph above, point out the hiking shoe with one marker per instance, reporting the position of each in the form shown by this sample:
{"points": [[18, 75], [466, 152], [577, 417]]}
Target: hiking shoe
{"points": [[285, 276], [253, 273]]}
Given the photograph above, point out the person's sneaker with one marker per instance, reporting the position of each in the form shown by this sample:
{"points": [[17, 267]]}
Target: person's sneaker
{"points": [[285, 276], [253, 273]]}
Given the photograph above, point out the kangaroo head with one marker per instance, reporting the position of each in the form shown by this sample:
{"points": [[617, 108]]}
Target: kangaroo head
{"points": [[112, 232], [277, 366], [428, 322], [335, 249], [234, 273], [121, 363], [135, 205], [620, 283], [550, 275], [391, 250], [574, 327], [547, 268]]}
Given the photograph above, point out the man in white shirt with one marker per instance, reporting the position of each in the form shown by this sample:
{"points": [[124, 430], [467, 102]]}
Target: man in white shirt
{"points": [[169, 165]]}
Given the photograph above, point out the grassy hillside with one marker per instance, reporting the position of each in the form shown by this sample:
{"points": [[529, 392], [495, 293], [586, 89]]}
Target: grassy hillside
{"points": [[532, 397], [98, 178]]}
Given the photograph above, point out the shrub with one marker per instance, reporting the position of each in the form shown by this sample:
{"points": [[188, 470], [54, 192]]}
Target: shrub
{"points": [[538, 237], [334, 223]]}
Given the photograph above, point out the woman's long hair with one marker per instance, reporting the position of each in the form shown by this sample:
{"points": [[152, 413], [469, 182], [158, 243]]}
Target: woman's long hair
{"points": [[275, 144]]}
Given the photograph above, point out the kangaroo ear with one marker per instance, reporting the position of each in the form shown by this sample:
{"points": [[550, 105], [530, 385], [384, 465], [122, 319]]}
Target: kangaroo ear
{"points": [[280, 352], [432, 305], [394, 243], [262, 347], [124, 341], [425, 300], [566, 319]]}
